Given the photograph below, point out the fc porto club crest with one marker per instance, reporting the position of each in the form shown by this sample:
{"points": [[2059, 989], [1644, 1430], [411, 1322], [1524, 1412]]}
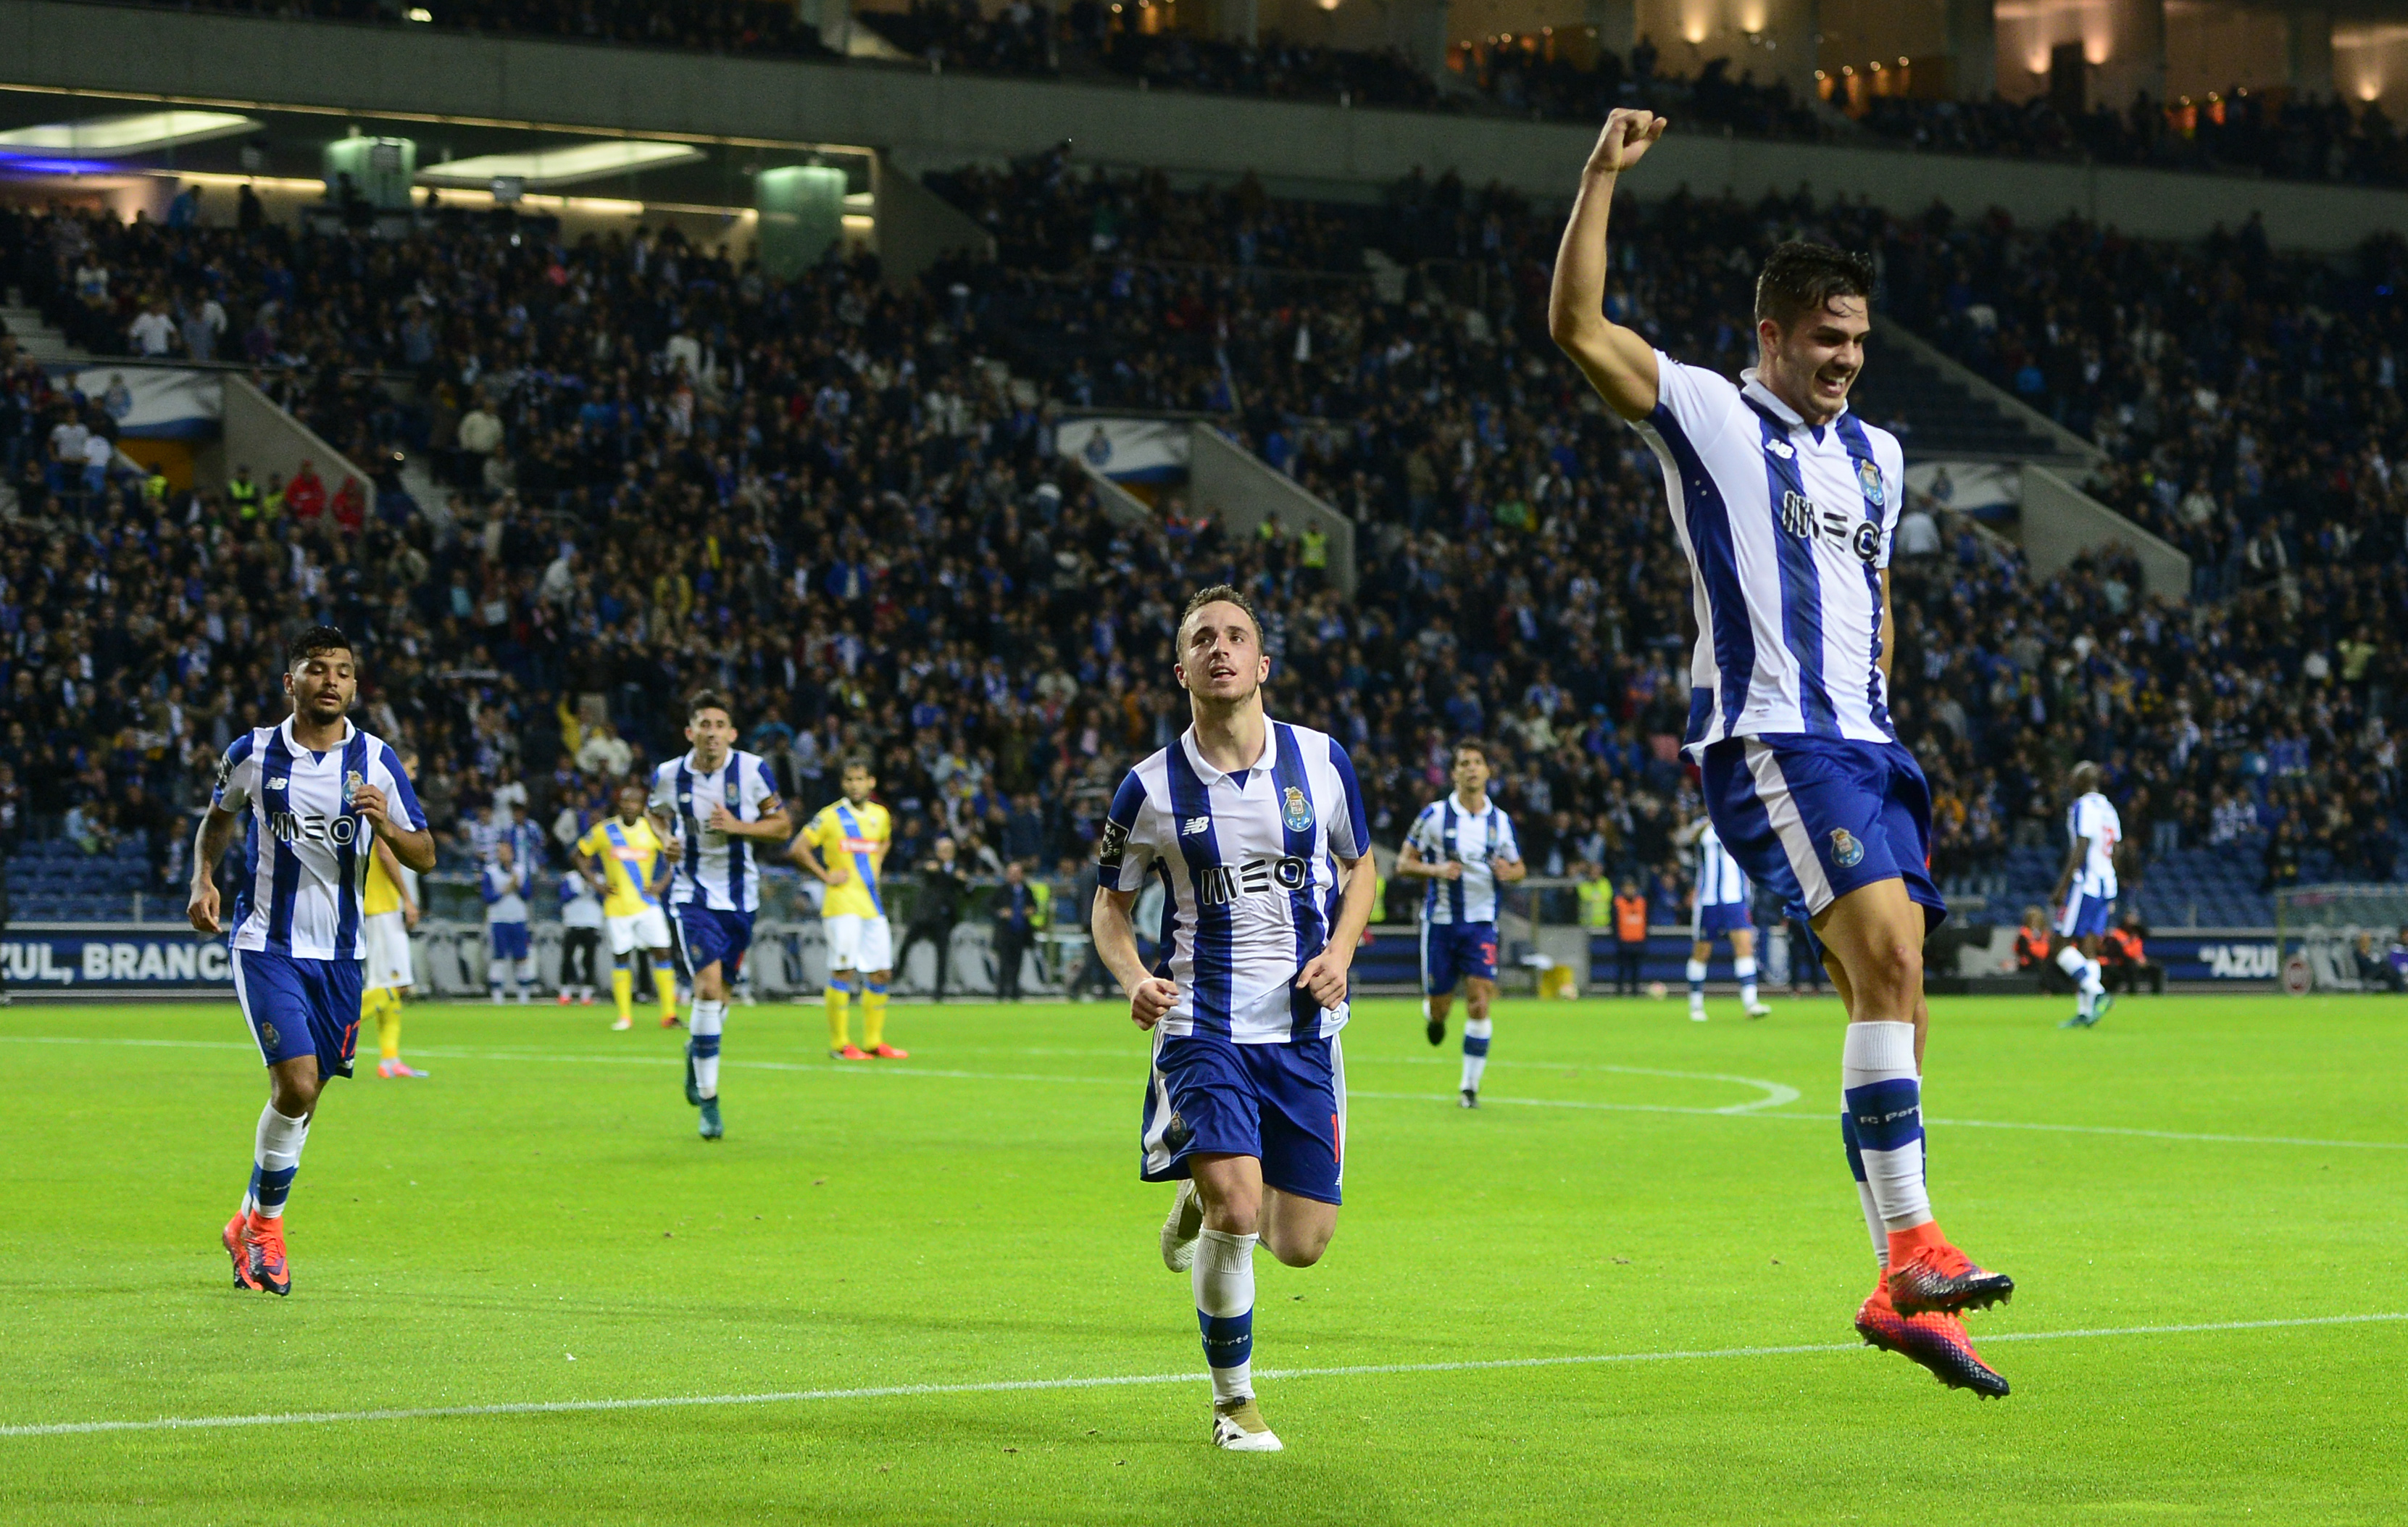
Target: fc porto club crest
{"points": [[351, 783], [1869, 477], [1298, 811], [1845, 851]]}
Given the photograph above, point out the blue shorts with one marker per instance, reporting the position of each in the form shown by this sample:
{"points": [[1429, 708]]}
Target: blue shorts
{"points": [[1816, 818], [714, 938], [1453, 951], [298, 1007], [2085, 915], [1714, 919], [510, 939], [1283, 1104]]}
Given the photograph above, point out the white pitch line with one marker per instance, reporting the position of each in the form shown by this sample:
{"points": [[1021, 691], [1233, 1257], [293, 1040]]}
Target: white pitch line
{"points": [[1006, 1386]]}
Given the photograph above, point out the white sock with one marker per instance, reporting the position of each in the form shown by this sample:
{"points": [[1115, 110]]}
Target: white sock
{"points": [[526, 974], [1873, 1223], [494, 968], [1744, 968], [709, 1017], [1225, 1310], [276, 1156], [1697, 986], [1475, 1052], [2070, 960], [2093, 987], [1885, 1096]]}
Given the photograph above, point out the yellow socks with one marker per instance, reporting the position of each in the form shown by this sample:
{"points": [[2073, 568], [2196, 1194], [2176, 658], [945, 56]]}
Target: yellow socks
{"points": [[873, 1016], [388, 1022], [665, 987], [839, 1022], [623, 991]]}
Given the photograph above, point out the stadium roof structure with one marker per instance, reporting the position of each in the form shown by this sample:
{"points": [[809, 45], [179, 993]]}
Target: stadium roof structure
{"points": [[551, 169], [124, 137]]}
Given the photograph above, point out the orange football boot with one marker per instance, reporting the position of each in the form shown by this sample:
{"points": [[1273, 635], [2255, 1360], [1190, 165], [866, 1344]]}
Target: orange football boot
{"points": [[1935, 1341], [1926, 1274], [263, 1242], [231, 1238]]}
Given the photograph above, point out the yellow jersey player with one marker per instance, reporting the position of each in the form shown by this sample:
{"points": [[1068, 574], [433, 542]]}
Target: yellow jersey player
{"points": [[387, 911], [628, 863], [845, 847]]}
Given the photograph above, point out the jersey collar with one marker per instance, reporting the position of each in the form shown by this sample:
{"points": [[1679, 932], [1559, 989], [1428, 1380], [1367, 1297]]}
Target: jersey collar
{"points": [[1752, 387], [1210, 775], [292, 744]]}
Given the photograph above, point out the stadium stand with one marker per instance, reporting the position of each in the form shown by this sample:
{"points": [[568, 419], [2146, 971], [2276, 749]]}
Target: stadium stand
{"points": [[838, 499], [2282, 136]]}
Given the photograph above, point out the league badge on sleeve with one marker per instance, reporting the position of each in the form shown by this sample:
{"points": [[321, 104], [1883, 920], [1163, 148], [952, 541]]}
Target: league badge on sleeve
{"points": [[1296, 815]]}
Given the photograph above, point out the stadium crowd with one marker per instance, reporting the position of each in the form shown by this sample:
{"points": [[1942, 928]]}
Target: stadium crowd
{"points": [[2235, 131], [839, 501]]}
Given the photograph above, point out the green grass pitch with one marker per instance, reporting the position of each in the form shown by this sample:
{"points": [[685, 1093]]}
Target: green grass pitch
{"points": [[537, 1222]]}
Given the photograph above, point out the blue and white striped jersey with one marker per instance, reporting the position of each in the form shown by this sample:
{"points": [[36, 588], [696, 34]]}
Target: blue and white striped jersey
{"points": [[1445, 832], [713, 868], [1721, 882], [1249, 864], [2092, 825], [505, 892], [1786, 530], [308, 848]]}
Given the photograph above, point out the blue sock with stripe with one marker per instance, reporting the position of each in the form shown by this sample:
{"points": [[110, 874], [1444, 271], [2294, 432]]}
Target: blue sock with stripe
{"points": [[1475, 1052], [1884, 1099], [276, 1157], [1225, 1310]]}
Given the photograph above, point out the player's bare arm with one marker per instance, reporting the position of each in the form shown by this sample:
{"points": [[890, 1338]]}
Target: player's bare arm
{"points": [[1324, 974], [1508, 870], [1411, 865], [833, 872], [1618, 363], [412, 847], [214, 836], [1150, 995], [385, 856], [1888, 630]]}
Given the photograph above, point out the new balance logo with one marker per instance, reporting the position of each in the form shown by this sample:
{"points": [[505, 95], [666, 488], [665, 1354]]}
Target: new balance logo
{"points": [[1196, 827], [276, 785]]}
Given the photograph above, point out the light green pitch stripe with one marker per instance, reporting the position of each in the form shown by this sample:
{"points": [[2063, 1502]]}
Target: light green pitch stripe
{"points": [[1754, 1108], [889, 1391]]}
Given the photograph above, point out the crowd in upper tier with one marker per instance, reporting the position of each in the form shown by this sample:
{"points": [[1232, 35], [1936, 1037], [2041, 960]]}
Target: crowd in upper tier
{"points": [[1540, 77], [838, 500]]}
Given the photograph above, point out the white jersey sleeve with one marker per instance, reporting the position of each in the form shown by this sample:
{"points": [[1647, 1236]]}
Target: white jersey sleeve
{"points": [[1349, 827], [1424, 834], [237, 780], [385, 772], [1132, 839], [1702, 403]]}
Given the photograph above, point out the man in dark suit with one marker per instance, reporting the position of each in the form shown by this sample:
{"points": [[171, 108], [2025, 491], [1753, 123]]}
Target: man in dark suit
{"points": [[936, 912], [1015, 926]]}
